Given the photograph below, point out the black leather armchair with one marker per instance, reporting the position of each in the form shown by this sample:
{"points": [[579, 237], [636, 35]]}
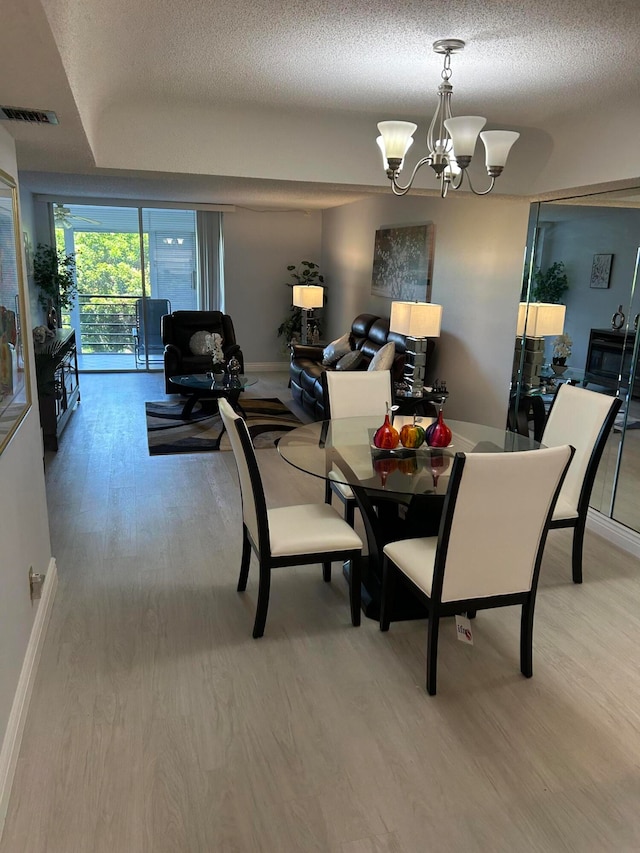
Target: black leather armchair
{"points": [[177, 330]]}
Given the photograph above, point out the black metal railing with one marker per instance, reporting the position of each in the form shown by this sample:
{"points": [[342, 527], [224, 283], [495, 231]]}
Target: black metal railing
{"points": [[107, 323]]}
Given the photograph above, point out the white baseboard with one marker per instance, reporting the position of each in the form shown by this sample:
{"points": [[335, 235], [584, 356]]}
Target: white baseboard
{"points": [[613, 531], [266, 366], [17, 717]]}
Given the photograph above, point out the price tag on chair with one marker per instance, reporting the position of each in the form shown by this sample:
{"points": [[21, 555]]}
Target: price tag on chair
{"points": [[463, 630]]}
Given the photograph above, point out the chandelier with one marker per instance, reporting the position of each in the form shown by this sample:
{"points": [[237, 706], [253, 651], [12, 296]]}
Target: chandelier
{"points": [[451, 141]]}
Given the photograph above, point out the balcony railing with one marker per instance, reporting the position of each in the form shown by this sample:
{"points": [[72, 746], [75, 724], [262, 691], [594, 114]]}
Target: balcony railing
{"points": [[106, 323]]}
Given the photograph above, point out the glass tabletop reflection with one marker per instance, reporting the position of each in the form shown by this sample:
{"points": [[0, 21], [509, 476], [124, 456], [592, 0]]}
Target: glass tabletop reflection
{"points": [[342, 450]]}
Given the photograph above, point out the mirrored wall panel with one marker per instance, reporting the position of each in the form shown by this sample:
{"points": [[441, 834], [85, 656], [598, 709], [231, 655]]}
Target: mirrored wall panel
{"points": [[582, 258]]}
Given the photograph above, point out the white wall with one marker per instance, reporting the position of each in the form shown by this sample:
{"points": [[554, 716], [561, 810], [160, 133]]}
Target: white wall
{"points": [[24, 527], [258, 248], [477, 276]]}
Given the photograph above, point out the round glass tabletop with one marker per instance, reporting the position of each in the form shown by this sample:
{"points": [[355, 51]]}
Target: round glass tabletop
{"points": [[342, 450]]}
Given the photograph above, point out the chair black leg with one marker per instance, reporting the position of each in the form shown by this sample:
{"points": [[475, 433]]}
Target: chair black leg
{"points": [[576, 552], [327, 491], [387, 593], [432, 652], [326, 572], [245, 561], [263, 600], [349, 512], [526, 638], [355, 581]]}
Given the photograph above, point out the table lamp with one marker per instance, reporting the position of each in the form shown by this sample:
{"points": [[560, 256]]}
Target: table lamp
{"points": [[536, 320], [418, 321], [307, 297]]}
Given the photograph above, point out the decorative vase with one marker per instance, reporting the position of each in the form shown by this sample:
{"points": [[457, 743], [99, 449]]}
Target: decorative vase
{"points": [[558, 369], [387, 437], [218, 376], [438, 434]]}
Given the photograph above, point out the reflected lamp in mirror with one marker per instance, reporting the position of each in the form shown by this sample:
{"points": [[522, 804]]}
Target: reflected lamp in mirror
{"points": [[417, 321], [307, 297], [540, 319]]}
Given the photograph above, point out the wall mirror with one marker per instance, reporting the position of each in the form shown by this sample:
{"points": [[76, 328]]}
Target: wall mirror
{"points": [[14, 380], [594, 240]]}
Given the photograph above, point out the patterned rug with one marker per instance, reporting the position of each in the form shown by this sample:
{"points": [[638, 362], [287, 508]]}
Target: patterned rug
{"points": [[267, 420]]}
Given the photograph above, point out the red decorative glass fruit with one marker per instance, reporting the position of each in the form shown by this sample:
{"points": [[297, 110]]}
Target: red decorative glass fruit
{"points": [[387, 436]]}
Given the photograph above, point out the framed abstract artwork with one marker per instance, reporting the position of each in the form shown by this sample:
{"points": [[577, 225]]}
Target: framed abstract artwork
{"points": [[15, 398], [601, 271], [403, 263]]}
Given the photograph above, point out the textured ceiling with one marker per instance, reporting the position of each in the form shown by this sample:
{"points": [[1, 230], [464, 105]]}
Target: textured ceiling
{"points": [[325, 64]]}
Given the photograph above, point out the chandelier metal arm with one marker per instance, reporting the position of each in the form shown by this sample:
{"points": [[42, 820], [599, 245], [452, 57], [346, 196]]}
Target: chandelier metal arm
{"points": [[397, 188], [480, 192]]}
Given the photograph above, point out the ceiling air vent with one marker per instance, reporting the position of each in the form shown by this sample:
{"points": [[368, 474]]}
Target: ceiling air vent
{"points": [[25, 114]]}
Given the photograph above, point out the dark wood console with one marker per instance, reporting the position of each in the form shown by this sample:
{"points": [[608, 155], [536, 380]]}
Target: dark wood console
{"points": [[58, 384], [611, 352]]}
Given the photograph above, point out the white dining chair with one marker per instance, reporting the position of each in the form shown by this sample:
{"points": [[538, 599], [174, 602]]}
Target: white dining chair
{"points": [[286, 536], [489, 547], [583, 419], [347, 394]]}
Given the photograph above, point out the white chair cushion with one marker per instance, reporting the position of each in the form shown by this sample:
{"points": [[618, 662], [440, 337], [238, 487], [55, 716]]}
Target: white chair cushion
{"points": [[342, 488], [415, 558], [383, 359], [564, 509], [309, 528]]}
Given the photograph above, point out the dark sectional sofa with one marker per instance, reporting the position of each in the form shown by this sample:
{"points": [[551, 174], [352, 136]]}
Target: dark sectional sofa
{"points": [[369, 333]]}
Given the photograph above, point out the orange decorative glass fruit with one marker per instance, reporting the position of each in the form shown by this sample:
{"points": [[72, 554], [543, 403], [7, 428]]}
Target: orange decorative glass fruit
{"points": [[412, 435]]}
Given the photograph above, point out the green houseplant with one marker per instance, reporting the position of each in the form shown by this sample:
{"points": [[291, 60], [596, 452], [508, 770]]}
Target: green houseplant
{"points": [[53, 274], [306, 273], [550, 285]]}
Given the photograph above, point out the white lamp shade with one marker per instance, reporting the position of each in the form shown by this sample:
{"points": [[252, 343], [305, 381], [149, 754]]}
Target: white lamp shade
{"points": [[537, 319], [464, 132], [416, 319], [498, 144], [385, 162], [397, 137], [308, 296], [445, 146]]}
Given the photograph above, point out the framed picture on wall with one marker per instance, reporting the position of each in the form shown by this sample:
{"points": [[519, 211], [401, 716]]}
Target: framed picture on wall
{"points": [[601, 271], [403, 263], [14, 380]]}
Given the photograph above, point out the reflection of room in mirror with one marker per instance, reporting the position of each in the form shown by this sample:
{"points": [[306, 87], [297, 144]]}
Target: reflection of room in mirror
{"points": [[585, 234]]}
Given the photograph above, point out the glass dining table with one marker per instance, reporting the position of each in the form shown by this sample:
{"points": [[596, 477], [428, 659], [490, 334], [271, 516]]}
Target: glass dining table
{"points": [[400, 492]]}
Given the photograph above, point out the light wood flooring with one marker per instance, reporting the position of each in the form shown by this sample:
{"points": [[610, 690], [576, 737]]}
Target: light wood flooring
{"points": [[158, 725]]}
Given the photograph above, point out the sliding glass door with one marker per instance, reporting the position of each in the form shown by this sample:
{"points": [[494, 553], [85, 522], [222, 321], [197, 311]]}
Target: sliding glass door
{"points": [[132, 266]]}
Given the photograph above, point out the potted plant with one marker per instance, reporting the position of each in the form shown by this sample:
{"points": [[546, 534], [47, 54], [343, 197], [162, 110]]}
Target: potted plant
{"points": [[550, 286], [561, 352], [53, 273], [291, 327]]}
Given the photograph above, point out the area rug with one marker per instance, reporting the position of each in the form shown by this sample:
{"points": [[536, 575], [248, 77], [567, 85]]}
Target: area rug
{"points": [[267, 418]]}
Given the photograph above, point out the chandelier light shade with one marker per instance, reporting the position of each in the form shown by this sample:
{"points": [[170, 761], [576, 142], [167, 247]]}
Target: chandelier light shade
{"points": [[416, 319], [450, 140], [539, 319], [307, 296]]}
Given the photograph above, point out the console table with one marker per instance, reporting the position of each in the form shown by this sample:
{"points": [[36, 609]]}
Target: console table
{"points": [[58, 383]]}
